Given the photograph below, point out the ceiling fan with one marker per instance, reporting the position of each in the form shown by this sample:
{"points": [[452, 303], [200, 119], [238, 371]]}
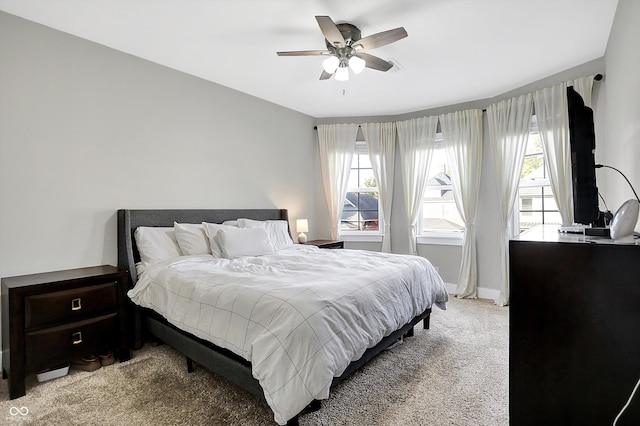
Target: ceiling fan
{"points": [[346, 49]]}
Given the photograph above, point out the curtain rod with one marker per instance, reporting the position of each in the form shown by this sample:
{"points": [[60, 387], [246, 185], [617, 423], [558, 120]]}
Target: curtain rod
{"points": [[596, 77], [316, 127]]}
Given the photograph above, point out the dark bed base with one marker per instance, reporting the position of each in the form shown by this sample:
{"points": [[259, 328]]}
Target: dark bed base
{"points": [[235, 368], [147, 323], [238, 370]]}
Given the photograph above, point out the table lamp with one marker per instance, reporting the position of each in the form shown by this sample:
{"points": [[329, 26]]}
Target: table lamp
{"points": [[302, 226]]}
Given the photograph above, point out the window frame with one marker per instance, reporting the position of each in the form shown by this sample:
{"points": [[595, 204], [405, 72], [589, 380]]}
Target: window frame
{"points": [[363, 235], [544, 184], [433, 237]]}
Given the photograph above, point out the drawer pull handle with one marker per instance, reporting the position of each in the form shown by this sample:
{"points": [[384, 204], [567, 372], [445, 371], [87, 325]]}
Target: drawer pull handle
{"points": [[76, 304], [77, 337]]}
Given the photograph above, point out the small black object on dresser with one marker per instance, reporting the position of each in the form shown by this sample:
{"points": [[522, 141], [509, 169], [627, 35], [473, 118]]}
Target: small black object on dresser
{"points": [[50, 318], [326, 244]]}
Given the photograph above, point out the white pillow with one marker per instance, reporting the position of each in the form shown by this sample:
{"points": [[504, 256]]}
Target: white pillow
{"points": [[238, 242], [192, 238], [211, 230], [156, 244], [278, 231], [251, 223]]}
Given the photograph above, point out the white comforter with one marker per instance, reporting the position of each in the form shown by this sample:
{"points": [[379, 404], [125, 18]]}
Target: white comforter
{"points": [[300, 315]]}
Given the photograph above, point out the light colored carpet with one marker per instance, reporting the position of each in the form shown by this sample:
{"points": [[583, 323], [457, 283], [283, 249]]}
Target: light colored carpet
{"points": [[455, 373]]}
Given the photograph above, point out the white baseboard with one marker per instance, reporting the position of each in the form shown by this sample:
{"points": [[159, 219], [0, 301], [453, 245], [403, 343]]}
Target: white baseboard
{"points": [[483, 293]]}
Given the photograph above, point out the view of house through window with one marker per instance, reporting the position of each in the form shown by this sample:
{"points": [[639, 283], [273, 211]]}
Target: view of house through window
{"points": [[360, 212], [536, 204], [439, 211]]}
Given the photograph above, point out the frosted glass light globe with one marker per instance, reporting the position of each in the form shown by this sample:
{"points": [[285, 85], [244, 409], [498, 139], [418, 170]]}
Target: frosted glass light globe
{"points": [[357, 64], [342, 74], [330, 64]]}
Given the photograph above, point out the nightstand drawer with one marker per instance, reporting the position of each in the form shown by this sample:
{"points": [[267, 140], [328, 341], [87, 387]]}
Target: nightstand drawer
{"points": [[69, 305], [58, 344]]}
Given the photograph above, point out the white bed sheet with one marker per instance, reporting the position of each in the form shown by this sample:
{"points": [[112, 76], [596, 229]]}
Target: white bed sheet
{"points": [[299, 315]]}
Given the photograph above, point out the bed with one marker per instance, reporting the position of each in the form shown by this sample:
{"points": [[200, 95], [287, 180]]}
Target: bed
{"points": [[303, 318]]}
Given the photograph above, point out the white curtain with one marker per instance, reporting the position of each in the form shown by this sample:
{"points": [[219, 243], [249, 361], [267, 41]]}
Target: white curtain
{"points": [[336, 143], [381, 143], [462, 133], [416, 138], [553, 124], [583, 86], [509, 123]]}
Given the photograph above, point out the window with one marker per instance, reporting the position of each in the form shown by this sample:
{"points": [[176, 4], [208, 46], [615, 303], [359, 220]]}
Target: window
{"points": [[361, 207], [536, 204], [439, 212]]}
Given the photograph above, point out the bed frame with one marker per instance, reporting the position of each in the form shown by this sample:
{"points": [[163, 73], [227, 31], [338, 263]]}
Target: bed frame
{"points": [[148, 324]]}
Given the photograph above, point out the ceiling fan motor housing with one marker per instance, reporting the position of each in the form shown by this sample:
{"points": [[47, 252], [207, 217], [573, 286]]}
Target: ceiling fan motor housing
{"points": [[349, 32]]}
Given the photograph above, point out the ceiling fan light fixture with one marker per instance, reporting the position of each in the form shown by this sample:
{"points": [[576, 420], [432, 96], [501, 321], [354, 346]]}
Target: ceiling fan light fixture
{"points": [[357, 64], [346, 49], [342, 74], [330, 64]]}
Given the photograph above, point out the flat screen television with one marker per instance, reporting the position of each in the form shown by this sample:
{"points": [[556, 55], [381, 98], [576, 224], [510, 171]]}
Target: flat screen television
{"points": [[583, 173]]}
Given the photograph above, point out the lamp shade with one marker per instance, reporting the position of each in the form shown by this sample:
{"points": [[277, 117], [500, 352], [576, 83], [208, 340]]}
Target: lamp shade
{"points": [[302, 225]]}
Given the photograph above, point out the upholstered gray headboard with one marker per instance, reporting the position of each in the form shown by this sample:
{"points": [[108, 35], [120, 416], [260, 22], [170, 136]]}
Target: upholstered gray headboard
{"points": [[129, 220]]}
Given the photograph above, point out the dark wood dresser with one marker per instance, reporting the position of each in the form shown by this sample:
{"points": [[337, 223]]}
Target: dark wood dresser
{"points": [[51, 318], [574, 355]]}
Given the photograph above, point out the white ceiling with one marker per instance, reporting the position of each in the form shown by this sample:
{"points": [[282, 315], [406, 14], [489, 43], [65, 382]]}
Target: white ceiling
{"points": [[456, 51]]}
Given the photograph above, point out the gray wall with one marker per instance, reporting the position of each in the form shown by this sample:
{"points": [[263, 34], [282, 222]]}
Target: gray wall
{"points": [[621, 148], [86, 130]]}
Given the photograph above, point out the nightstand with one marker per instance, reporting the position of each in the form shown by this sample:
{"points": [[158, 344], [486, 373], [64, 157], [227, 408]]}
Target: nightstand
{"points": [[326, 244], [51, 318]]}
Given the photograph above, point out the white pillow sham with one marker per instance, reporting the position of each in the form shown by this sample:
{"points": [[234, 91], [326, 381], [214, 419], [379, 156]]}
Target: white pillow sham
{"points": [[239, 242], [191, 238], [211, 231], [277, 230], [251, 223], [156, 244]]}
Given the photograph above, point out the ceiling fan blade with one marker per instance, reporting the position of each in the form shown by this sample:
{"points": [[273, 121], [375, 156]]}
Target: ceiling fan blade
{"points": [[381, 39], [325, 75], [374, 62], [330, 31], [304, 53]]}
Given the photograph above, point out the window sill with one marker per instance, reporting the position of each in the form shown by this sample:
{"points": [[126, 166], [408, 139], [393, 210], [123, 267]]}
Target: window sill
{"points": [[441, 238], [362, 238]]}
